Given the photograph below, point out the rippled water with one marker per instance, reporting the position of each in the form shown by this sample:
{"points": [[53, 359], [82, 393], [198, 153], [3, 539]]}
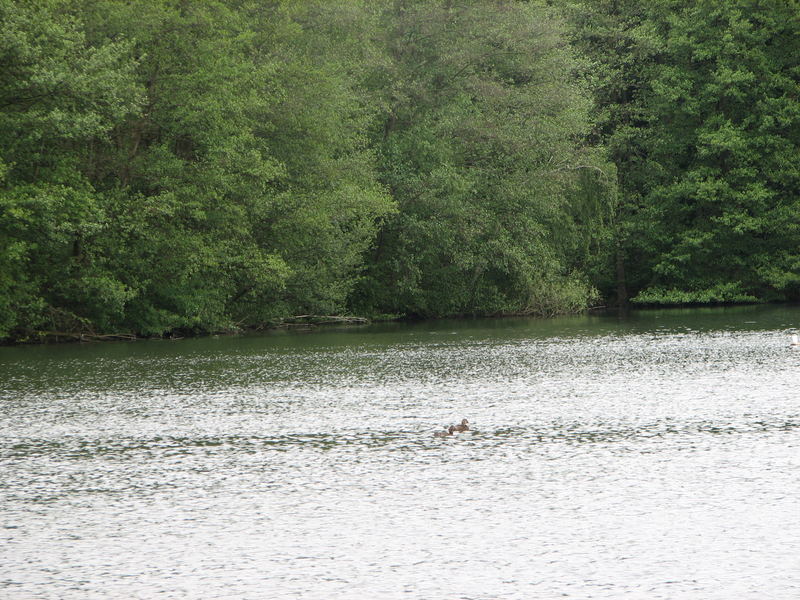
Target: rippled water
{"points": [[652, 457]]}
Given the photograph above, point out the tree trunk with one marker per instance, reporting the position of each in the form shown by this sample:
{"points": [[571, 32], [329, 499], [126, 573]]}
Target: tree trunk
{"points": [[622, 290]]}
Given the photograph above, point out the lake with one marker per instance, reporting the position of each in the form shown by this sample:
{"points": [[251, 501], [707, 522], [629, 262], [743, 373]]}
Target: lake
{"points": [[652, 456]]}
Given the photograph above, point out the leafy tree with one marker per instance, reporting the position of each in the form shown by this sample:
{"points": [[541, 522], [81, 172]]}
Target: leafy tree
{"points": [[697, 103], [58, 96], [621, 44], [480, 144], [189, 171], [329, 204], [726, 134], [178, 165]]}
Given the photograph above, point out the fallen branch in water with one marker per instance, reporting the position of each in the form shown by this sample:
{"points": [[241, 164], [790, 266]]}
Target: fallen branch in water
{"points": [[301, 320], [86, 337]]}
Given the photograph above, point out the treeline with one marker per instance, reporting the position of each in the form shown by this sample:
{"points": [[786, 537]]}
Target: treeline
{"points": [[698, 105], [176, 165]]}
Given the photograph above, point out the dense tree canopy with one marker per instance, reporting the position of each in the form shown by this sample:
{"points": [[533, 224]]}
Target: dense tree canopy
{"points": [[697, 102], [174, 165], [198, 166], [726, 138], [499, 201]]}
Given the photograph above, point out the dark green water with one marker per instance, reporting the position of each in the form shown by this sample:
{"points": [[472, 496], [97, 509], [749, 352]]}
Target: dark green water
{"points": [[654, 456]]}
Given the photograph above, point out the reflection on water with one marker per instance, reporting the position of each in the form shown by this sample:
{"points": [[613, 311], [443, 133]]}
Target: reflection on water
{"points": [[655, 457]]}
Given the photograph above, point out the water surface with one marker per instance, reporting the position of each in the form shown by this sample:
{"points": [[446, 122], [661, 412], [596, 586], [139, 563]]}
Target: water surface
{"points": [[649, 457]]}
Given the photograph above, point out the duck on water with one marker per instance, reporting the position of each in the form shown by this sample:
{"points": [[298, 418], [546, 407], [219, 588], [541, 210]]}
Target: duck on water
{"points": [[464, 426], [446, 433]]}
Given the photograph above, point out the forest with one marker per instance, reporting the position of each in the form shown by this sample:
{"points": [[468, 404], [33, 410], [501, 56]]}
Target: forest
{"points": [[182, 166]]}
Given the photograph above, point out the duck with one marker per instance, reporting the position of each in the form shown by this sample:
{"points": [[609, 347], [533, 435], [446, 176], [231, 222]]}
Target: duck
{"points": [[449, 431], [463, 427]]}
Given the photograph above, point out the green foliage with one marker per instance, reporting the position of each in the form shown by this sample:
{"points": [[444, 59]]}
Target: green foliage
{"points": [[480, 145], [622, 45], [59, 95], [194, 166], [727, 137], [697, 103], [198, 166], [721, 293]]}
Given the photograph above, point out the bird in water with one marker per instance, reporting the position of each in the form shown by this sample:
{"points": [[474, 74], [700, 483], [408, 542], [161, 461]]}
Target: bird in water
{"points": [[463, 427], [795, 342], [449, 432]]}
